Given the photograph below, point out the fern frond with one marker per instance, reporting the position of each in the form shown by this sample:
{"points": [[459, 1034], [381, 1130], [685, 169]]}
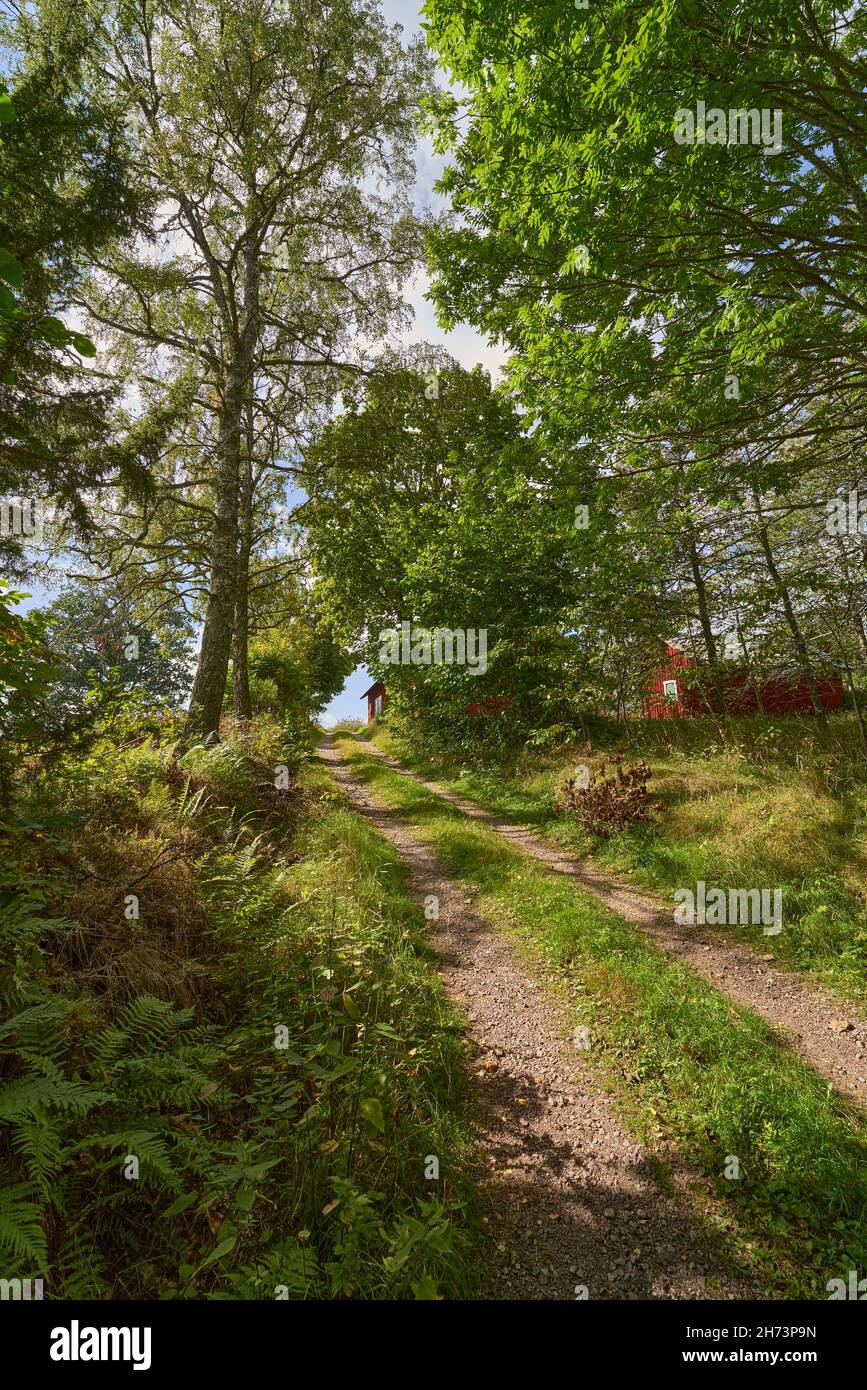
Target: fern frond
{"points": [[39, 1144], [29, 1097], [82, 1271], [22, 1239]]}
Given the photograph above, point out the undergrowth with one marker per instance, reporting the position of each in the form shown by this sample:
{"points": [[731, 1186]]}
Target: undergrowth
{"points": [[226, 1066]]}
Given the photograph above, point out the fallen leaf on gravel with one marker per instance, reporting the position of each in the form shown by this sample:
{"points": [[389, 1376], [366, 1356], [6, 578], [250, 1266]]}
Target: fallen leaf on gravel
{"points": [[491, 1065], [841, 1025]]}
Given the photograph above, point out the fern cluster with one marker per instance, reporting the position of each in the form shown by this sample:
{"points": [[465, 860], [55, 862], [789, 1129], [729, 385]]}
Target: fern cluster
{"points": [[154, 1150]]}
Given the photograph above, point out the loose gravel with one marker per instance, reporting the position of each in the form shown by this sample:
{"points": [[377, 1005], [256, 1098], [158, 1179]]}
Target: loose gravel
{"points": [[574, 1207], [825, 1030]]}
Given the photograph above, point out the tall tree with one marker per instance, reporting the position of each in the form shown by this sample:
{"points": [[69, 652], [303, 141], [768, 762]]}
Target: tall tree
{"points": [[671, 297], [430, 504], [623, 263], [277, 136], [65, 170]]}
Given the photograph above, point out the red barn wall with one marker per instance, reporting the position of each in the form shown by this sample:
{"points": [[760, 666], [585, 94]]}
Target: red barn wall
{"points": [[656, 706], [779, 694]]}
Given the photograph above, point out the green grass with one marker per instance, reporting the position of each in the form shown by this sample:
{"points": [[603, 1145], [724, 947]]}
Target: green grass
{"points": [[733, 817], [270, 1160], [694, 1075]]}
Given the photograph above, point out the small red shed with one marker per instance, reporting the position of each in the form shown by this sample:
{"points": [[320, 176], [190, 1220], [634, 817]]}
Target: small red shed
{"points": [[671, 694], [376, 700]]}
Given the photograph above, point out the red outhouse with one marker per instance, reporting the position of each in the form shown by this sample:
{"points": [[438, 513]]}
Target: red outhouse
{"points": [[376, 700]]}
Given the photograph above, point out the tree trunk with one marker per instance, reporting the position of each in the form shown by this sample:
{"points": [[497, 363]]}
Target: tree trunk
{"points": [[859, 713], [850, 680], [850, 592], [241, 636], [209, 687], [757, 690], [623, 679], [788, 609], [706, 629]]}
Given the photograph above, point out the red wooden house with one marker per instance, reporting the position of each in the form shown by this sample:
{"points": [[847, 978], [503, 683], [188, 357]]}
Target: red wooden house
{"points": [[672, 693], [376, 700]]}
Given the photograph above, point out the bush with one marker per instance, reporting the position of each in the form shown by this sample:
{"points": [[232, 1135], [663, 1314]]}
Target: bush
{"points": [[616, 797]]}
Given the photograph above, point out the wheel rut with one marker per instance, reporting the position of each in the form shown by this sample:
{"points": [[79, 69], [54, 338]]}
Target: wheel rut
{"points": [[574, 1208], [827, 1031]]}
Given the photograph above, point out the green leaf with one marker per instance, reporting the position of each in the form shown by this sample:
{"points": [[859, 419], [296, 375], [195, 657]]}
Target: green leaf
{"points": [[53, 331], [11, 270], [83, 345], [180, 1204], [350, 1006], [371, 1109], [219, 1251]]}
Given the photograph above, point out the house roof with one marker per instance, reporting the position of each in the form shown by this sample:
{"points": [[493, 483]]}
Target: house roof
{"points": [[371, 690]]}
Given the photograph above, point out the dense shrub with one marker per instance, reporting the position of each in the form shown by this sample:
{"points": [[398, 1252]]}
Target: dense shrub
{"points": [[615, 797]]}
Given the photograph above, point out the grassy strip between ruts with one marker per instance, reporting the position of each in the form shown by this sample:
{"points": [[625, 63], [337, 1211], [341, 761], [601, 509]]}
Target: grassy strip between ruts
{"points": [[721, 817], [691, 1071]]}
